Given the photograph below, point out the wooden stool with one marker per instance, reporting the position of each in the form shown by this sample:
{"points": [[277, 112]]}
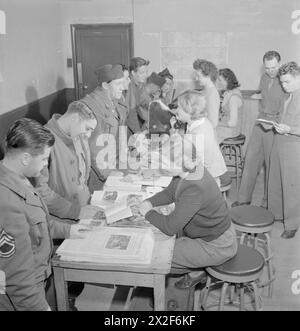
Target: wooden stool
{"points": [[242, 271], [225, 186], [232, 149], [252, 221]]}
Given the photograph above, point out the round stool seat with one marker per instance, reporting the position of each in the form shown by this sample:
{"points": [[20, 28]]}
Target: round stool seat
{"points": [[248, 261], [238, 140], [239, 273], [251, 216]]}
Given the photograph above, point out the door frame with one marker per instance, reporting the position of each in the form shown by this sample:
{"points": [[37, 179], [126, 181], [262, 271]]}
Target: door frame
{"points": [[76, 27]]}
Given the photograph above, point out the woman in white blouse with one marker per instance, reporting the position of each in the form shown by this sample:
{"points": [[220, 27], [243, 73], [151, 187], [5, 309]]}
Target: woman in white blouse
{"points": [[192, 110]]}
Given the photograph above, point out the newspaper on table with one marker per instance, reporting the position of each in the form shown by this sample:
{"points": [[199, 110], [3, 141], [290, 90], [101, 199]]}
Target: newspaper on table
{"points": [[110, 245]]}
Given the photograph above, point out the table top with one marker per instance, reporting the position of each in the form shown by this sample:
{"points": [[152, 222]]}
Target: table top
{"points": [[160, 263]]}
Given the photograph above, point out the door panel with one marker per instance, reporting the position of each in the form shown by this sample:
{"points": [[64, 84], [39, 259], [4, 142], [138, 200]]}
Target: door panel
{"points": [[96, 46]]}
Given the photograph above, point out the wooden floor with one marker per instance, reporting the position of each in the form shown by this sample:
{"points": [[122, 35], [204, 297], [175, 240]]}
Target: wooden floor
{"points": [[286, 260]]}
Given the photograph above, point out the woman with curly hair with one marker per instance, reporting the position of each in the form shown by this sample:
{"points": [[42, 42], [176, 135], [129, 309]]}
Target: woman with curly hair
{"points": [[207, 73], [231, 105]]}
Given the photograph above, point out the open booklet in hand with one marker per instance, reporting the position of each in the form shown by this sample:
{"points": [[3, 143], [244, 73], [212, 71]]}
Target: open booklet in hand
{"points": [[110, 245], [263, 121], [117, 205]]}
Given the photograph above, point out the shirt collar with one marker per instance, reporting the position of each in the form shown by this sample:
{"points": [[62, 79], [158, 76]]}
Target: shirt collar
{"points": [[296, 93], [195, 124]]}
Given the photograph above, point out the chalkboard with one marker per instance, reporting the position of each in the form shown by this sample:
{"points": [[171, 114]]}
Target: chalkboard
{"points": [[180, 49]]}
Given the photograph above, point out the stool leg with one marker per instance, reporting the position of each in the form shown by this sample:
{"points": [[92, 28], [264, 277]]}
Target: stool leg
{"points": [[224, 196], [242, 238], [255, 241], [230, 152], [241, 166], [269, 262], [232, 293], [223, 293], [191, 297], [257, 298], [247, 240], [236, 168], [203, 296], [242, 297]]}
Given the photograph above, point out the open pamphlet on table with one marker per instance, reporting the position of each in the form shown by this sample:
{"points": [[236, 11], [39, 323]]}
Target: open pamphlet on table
{"points": [[110, 245], [116, 205], [122, 192]]}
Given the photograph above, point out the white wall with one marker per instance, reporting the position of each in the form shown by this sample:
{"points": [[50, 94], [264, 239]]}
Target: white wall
{"points": [[90, 12], [37, 43], [252, 27], [31, 57]]}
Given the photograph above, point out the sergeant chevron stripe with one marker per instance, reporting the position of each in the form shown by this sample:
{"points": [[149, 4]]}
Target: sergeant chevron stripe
{"points": [[7, 244]]}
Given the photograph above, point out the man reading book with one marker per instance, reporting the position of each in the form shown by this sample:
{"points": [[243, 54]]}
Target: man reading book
{"points": [[284, 183], [261, 140]]}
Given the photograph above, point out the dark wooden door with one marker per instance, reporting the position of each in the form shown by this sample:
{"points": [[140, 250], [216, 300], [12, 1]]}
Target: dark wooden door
{"points": [[97, 45]]}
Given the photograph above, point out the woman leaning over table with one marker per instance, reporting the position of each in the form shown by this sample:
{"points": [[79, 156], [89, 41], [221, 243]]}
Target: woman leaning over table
{"points": [[200, 214]]}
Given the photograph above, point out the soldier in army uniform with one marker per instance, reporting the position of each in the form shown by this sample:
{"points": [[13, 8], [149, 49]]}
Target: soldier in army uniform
{"points": [[103, 101], [25, 228]]}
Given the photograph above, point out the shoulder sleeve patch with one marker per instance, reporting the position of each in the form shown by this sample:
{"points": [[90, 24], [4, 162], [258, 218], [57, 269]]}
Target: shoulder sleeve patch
{"points": [[7, 244]]}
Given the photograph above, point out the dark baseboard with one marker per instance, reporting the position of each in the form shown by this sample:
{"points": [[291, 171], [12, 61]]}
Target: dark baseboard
{"points": [[40, 110], [70, 95]]}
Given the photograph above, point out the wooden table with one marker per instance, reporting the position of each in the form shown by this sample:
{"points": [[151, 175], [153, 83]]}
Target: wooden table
{"points": [[152, 275]]}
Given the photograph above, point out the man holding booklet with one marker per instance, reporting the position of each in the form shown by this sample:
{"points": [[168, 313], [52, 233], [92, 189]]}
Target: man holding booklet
{"points": [[284, 183], [260, 144]]}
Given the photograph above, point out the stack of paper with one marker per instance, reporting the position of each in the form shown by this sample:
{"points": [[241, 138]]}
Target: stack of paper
{"points": [[122, 184], [161, 181], [110, 245]]}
